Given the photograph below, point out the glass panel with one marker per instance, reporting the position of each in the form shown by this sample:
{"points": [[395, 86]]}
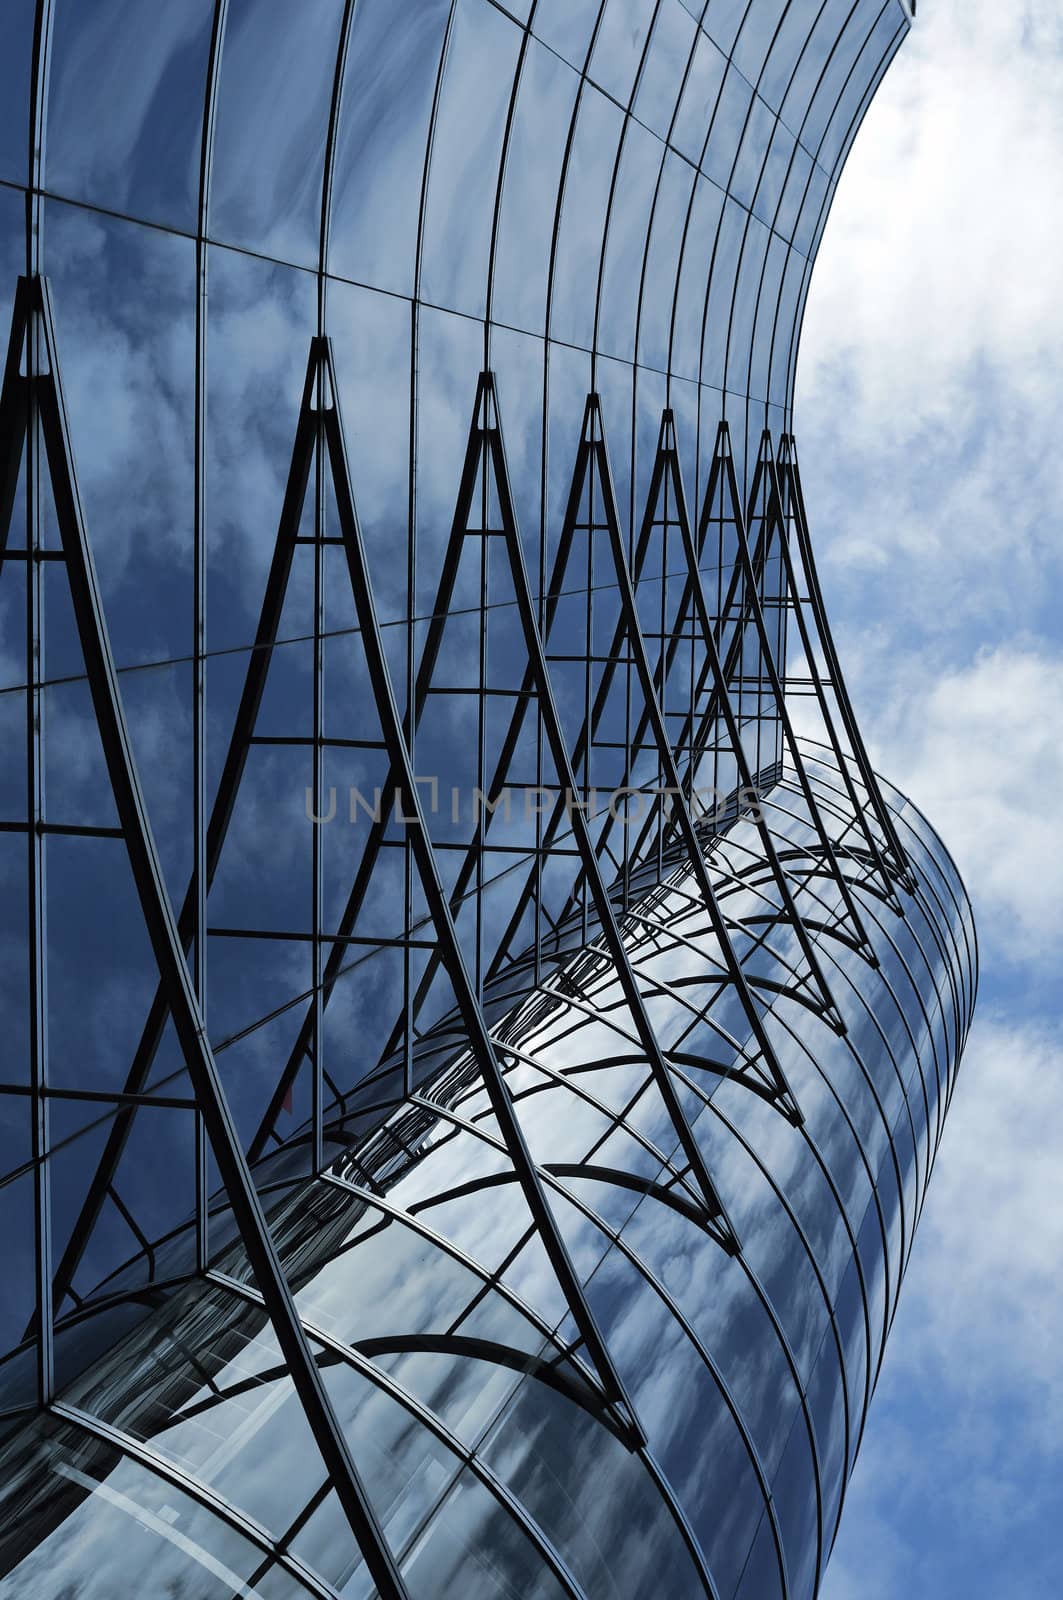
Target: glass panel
{"points": [[19, 1303], [371, 334], [392, 62], [83, 1519], [666, 63], [541, 120], [760, 125], [474, 101], [607, 1519], [14, 939], [124, 309], [756, 36], [583, 218], [125, 106], [794, 1496], [698, 247], [262, 318], [762, 1579], [15, 76], [843, 57], [698, 100], [786, 49], [628, 225], [275, 89], [662, 262], [723, 19], [565, 28], [618, 46], [474, 1548]]}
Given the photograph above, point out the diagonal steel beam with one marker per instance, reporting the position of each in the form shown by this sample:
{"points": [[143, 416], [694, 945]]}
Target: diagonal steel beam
{"points": [[698, 739], [220, 817]]}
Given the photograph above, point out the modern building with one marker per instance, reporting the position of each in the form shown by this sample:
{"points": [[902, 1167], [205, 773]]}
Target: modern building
{"points": [[477, 1030]]}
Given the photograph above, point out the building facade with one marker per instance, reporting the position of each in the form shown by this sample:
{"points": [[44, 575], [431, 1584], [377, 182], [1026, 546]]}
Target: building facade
{"points": [[414, 878]]}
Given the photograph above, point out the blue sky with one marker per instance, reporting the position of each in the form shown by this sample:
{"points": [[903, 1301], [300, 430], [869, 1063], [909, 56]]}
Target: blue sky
{"points": [[928, 418]]}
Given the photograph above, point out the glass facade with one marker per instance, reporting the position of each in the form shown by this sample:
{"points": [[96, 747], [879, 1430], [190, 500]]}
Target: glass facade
{"points": [[413, 879]]}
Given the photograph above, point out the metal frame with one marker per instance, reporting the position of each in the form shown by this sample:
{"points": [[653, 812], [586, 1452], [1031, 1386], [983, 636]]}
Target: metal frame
{"points": [[765, 468], [33, 326], [893, 862], [593, 470], [319, 434], [486, 451]]}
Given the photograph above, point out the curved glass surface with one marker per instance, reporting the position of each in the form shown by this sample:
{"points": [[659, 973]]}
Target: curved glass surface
{"points": [[472, 1076]]}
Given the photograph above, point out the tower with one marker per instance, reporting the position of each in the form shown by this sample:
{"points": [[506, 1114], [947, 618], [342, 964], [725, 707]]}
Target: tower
{"points": [[475, 1059]]}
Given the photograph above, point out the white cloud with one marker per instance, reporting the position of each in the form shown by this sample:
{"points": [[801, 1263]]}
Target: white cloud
{"points": [[968, 1416], [976, 745], [928, 415], [934, 334], [948, 208]]}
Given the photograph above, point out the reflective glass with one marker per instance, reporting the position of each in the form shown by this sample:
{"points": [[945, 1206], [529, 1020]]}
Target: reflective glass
{"points": [[274, 94], [565, 28], [794, 1494], [15, 80], [393, 60], [697, 101], [629, 221], [723, 20], [124, 1530], [619, 45], [661, 79], [124, 299], [583, 217], [662, 262], [545, 98], [674, 283], [728, 129], [463, 181], [125, 106], [622, 1537], [472, 1546]]}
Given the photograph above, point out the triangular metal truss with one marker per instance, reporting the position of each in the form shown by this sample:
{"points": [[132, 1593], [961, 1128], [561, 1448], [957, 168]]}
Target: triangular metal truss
{"points": [[592, 497], [849, 927], [486, 512], [32, 408], [888, 857]]}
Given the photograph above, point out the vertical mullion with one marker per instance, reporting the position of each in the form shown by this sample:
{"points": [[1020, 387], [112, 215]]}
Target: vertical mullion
{"points": [[481, 725], [37, 872], [318, 761], [199, 883], [35, 773]]}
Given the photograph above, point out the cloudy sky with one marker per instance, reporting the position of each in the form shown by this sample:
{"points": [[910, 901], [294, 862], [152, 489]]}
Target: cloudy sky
{"points": [[929, 423]]}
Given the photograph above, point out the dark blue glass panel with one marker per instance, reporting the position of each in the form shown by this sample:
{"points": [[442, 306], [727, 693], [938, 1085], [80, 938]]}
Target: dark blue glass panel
{"points": [[125, 106], [470, 121], [794, 1493], [392, 64], [15, 80], [278, 64], [620, 1539]]}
